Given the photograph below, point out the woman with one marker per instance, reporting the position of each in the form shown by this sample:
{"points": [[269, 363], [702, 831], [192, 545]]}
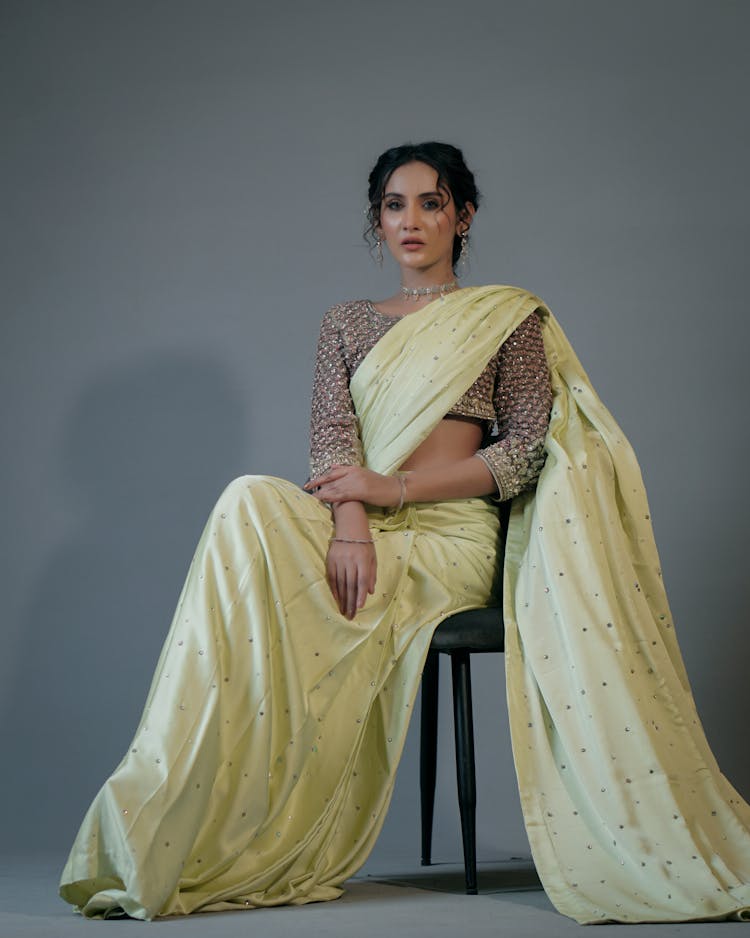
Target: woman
{"points": [[264, 762]]}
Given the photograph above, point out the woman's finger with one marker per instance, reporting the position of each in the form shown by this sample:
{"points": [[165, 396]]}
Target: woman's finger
{"points": [[336, 494], [331, 578], [351, 577], [341, 587], [335, 472], [351, 591]]}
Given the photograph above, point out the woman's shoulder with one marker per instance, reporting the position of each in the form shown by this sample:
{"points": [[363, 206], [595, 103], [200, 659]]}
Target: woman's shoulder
{"points": [[509, 290], [349, 304], [350, 310], [535, 309]]}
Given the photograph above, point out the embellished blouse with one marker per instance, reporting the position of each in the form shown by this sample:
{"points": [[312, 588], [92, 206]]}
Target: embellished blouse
{"points": [[512, 397]]}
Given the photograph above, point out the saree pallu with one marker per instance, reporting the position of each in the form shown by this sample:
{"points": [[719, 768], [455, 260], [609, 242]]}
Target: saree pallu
{"points": [[628, 815], [627, 812]]}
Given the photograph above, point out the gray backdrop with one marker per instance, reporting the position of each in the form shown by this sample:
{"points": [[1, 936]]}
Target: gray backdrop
{"points": [[183, 185]]}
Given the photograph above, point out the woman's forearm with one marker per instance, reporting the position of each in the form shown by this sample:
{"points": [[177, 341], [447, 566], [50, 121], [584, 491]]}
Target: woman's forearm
{"points": [[465, 478], [350, 520], [349, 488]]}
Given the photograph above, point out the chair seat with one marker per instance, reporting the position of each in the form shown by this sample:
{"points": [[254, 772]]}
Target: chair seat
{"points": [[475, 630]]}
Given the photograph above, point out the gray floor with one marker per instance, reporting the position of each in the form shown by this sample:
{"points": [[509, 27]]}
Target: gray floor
{"points": [[417, 902]]}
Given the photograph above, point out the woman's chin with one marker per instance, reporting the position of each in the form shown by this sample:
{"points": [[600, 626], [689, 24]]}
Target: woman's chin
{"points": [[420, 264]]}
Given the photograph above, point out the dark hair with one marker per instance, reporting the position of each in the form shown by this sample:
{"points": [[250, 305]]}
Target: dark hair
{"points": [[454, 179]]}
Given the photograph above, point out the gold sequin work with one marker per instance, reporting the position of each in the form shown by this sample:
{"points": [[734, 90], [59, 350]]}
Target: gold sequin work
{"points": [[512, 396]]}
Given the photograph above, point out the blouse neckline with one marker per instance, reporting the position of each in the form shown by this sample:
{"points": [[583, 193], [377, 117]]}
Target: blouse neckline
{"points": [[374, 309]]}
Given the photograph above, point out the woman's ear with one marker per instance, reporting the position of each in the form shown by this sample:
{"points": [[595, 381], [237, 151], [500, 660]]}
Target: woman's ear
{"points": [[465, 218]]}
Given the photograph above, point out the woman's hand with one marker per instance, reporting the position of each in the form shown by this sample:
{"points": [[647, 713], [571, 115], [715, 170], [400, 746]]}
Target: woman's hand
{"points": [[351, 570], [355, 483]]}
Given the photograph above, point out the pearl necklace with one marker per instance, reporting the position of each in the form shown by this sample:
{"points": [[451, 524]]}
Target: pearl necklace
{"points": [[442, 288]]}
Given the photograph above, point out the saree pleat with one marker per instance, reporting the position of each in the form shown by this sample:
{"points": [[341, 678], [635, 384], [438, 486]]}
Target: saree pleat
{"points": [[265, 759]]}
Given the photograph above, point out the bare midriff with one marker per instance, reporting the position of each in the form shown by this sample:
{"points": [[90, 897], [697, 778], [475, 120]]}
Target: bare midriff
{"points": [[453, 439]]}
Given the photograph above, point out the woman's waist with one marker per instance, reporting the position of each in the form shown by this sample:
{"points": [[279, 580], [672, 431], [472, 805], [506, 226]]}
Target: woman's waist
{"points": [[453, 439]]}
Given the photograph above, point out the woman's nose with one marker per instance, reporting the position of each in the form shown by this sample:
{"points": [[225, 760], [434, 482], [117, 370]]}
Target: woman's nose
{"points": [[411, 216]]}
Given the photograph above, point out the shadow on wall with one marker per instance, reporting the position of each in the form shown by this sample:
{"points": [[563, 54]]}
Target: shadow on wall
{"points": [[147, 452]]}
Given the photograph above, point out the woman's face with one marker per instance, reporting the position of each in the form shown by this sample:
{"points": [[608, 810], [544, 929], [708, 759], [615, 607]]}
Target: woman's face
{"points": [[418, 221]]}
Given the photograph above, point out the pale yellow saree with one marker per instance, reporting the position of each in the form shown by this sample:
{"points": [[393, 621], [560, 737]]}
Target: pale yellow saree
{"points": [[265, 758], [264, 762]]}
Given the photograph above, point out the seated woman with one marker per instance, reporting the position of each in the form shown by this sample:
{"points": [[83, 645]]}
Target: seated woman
{"points": [[264, 762]]}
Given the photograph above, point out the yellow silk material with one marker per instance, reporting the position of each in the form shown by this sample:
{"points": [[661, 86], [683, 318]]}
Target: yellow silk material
{"points": [[425, 363], [627, 812], [265, 758], [264, 762]]}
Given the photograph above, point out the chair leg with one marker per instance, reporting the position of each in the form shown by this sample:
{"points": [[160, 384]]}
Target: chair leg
{"points": [[463, 722], [428, 750]]}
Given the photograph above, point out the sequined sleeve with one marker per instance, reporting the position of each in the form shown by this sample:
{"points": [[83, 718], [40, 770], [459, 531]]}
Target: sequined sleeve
{"points": [[522, 400], [334, 429]]}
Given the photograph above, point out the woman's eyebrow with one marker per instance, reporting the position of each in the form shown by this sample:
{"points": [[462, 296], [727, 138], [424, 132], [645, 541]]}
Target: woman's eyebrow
{"points": [[397, 195]]}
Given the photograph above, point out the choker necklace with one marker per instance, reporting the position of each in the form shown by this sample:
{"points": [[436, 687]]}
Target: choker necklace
{"points": [[442, 288]]}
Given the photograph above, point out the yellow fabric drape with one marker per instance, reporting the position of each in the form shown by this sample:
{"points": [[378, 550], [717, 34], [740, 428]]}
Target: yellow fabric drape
{"points": [[425, 363], [627, 812], [265, 758]]}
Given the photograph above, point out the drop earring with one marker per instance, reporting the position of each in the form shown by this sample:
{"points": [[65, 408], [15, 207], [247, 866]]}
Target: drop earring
{"points": [[462, 264], [378, 250]]}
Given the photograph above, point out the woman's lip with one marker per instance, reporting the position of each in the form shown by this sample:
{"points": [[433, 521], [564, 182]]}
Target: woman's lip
{"points": [[412, 245]]}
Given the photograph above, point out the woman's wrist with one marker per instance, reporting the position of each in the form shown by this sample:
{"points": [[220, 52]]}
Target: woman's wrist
{"points": [[350, 521]]}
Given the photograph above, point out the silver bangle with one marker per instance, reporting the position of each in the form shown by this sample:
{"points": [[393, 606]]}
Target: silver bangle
{"points": [[402, 482], [350, 540]]}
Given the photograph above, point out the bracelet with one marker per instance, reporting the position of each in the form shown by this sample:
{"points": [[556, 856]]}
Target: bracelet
{"points": [[350, 540], [402, 482]]}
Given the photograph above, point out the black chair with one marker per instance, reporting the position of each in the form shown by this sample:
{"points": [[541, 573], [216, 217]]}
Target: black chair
{"points": [[477, 631]]}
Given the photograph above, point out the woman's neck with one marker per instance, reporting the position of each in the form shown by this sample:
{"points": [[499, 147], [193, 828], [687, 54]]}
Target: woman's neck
{"points": [[430, 277], [401, 303]]}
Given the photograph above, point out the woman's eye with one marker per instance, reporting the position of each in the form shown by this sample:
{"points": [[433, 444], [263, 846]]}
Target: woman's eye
{"points": [[393, 205], [431, 204]]}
